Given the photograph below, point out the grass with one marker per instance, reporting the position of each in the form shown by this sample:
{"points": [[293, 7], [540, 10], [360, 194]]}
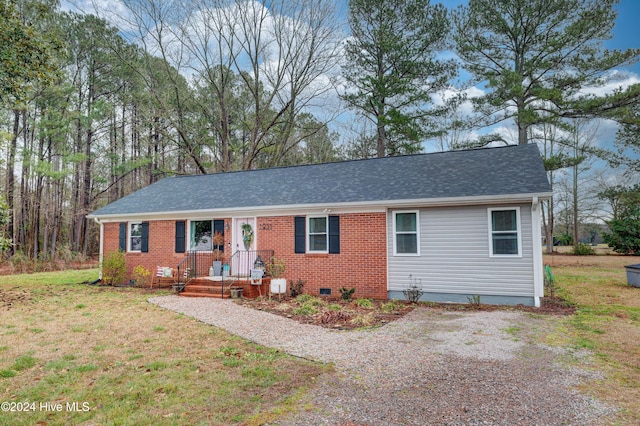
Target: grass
{"points": [[130, 361], [607, 322]]}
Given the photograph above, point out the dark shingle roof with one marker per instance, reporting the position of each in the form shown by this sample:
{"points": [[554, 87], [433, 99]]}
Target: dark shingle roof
{"points": [[472, 173]]}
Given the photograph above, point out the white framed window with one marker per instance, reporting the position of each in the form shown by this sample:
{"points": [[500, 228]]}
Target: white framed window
{"points": [[317, 234], [201, 235], [135, 236], [505, 239], [406, 233]]}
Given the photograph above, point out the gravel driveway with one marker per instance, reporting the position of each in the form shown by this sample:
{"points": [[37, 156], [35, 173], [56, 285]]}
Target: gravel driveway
{"points": [[429, 367]]}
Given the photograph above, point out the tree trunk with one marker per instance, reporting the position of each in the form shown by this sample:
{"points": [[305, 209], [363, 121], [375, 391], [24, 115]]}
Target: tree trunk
{"points": [[10, 177]]}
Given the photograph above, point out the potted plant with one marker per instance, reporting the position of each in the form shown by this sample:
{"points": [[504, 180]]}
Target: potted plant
{"points": [[217, 263], [277, 270]]}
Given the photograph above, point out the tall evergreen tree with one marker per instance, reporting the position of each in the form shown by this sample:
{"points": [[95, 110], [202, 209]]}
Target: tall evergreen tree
{"points": [[394, 69], [535, 56]]}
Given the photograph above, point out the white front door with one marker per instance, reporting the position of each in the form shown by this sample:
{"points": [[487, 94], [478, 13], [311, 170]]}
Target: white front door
{"points": [[244, 239]]}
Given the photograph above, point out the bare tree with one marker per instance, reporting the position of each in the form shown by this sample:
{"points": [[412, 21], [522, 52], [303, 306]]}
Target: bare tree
{"points": [[277, 54]]}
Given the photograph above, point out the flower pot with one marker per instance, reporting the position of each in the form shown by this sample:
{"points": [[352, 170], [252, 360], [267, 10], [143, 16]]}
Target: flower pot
{"points": [[217, 268], [278, 285]]}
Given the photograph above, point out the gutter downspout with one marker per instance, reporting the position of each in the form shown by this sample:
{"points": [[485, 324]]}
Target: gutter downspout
{"points": [[101, 255], [536, 233]]}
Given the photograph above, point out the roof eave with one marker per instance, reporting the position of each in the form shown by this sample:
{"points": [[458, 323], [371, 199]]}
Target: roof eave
{"points": [[343, 207]]}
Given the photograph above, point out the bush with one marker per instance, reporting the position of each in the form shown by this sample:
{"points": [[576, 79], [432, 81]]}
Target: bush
{"points": [[582, 249], [296, 288], [346, 293], [625, 232], [114, 268], [414, 291], [141, 276], [21, 262]]}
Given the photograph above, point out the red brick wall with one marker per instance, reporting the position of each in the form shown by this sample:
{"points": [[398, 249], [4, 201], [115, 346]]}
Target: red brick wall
{"points": [[360, 264], [161, 245]]}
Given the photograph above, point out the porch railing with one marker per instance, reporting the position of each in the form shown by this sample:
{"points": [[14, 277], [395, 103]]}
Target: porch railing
{"points": [[197, 264]]}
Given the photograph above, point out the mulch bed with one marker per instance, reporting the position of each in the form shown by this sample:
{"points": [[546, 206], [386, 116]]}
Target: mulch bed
{"points": [[350, 316]]}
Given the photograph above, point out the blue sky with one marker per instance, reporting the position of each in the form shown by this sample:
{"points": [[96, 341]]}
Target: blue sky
{"points": [[626, 33]]}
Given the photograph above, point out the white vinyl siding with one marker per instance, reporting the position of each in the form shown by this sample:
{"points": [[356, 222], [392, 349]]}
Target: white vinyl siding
{"points": [[455, 258]]}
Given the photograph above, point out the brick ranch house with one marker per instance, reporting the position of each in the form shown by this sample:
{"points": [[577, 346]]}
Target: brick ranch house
{"points": [[461, 223]]}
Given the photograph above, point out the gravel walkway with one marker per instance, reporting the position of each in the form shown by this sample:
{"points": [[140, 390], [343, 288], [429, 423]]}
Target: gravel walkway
{"points": [[429, 367]]}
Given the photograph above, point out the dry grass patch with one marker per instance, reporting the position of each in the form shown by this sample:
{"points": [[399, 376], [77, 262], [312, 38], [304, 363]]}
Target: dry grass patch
{"points": [[132, 362], [607, 321]]}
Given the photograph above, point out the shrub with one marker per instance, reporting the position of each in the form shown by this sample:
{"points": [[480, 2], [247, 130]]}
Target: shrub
{"points": [[296, 288], [141, 275], [346, 293], [582, 249], [21, 262], [413, 292], [364, 303], [114, 268], [277, 267]]}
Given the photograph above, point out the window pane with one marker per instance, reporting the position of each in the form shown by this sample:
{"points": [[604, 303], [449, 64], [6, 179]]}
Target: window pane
{"points": [[406, 243], [505, 243], [318, 242], [136, 229], [201, 235], [136, 243], [135, 236], [405, 222], [318, 225], [503, 220]]}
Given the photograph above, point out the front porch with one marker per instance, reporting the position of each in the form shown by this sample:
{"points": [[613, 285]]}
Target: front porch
{"points": [[208, 287], [200, 280]]}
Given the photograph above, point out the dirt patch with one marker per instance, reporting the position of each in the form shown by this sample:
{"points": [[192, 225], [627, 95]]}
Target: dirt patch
{"points": [[15, 297]]}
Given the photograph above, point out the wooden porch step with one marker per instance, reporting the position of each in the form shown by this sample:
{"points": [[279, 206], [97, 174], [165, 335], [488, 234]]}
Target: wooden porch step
{"points": [[202, 287], [213, 295]]}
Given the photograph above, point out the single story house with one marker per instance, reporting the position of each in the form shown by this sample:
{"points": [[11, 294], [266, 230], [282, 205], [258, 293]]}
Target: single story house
{"points": [[460, 223]]}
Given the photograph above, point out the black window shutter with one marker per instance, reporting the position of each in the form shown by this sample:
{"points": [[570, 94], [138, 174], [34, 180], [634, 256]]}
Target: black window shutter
{"points": [[122, 240], [218, 226], [334, 234], [144, 247], [180, 236], [299, 232]]}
